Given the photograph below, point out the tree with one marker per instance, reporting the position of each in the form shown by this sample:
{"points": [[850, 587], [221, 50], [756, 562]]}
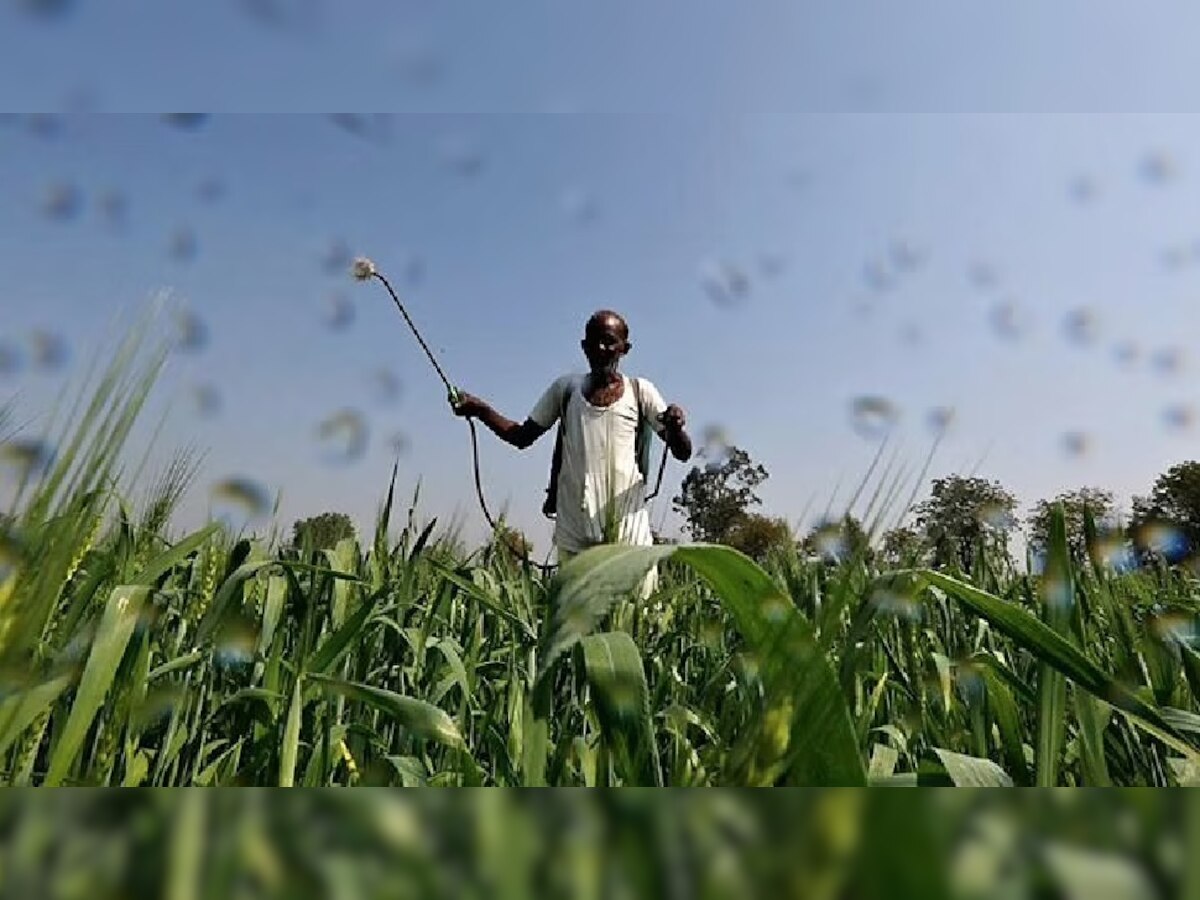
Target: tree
{"points": [[963, 516], [757, 535], [714, 499], [1168, 521], [903, 546], [838, 539], [1097, 500], [324, 530]]}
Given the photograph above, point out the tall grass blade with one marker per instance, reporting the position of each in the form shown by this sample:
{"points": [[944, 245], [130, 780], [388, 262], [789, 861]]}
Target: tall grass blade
{"points": [[112, 637], [289, 751], [1058, 601], [19, 710]]}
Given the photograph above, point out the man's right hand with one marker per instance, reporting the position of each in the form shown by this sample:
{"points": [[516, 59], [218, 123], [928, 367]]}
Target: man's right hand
{"points": [[469, 406]]}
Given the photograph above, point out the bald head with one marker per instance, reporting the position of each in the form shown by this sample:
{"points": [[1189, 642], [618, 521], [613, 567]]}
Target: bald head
{"points": [[606, 320]]}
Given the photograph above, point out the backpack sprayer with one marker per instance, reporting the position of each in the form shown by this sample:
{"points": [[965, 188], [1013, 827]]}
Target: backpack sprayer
{"points": [[364, 270]]}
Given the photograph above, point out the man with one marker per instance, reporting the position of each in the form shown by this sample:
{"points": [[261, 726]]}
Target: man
{"points": [[601, 492]]}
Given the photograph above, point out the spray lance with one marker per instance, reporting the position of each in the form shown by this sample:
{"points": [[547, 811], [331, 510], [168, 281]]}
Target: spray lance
{"points": [[364, 269]]}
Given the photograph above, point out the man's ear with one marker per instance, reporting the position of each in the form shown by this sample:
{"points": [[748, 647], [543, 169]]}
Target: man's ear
{"points": [[628, 347]]}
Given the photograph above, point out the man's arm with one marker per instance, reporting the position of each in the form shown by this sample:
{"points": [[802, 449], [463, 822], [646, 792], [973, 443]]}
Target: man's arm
{"points": [[668, 421], [520, 435], [676, 436]]}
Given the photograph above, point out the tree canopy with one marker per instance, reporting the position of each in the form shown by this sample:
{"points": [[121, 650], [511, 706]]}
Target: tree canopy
{"points": [[323, 531], [715, 499], [1097, 501], [964, 516]]}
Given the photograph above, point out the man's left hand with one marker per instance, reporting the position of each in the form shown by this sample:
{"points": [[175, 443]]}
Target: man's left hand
{"points": [[673, 419]]}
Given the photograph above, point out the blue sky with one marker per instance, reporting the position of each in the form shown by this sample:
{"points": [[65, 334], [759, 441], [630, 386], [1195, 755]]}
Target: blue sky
{"points": [[959, 214], [617, 56]]}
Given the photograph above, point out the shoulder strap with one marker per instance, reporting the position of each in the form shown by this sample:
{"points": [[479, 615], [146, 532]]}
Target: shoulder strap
{"points": [[562, 420], [549, 506], [562, 411], [642, 435]]}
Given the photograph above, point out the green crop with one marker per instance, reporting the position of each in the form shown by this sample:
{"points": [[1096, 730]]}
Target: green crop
{"points": [[133, 656]]}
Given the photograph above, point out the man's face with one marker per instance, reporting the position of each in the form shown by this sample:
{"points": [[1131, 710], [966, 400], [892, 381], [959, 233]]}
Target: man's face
{"points": [[604, 343]]}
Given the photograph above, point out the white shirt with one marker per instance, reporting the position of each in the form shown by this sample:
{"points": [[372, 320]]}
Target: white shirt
{"points": [[599, 483]]}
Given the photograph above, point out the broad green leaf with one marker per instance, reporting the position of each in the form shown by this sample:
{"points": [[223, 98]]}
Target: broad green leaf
{"points": [[112, 636], [410, 769], [970, 771], [587, 586], [614, 670], [420, 718]]}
